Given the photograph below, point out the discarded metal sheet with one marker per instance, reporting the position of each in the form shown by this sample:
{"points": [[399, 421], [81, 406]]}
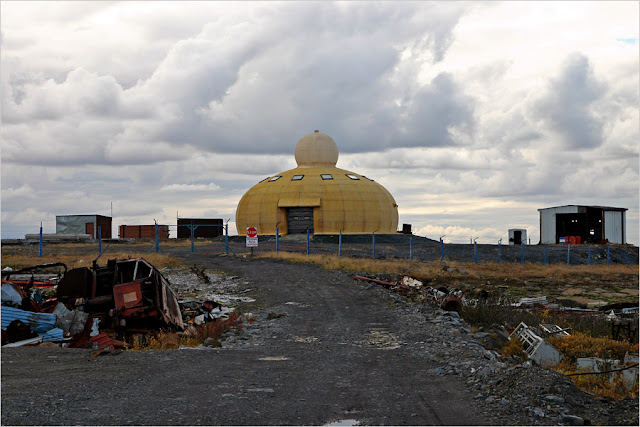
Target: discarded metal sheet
{"points": [[30, 341], [53, 335], [10, 295], [39, 322], [540, 351], [102, 340], [554, 330]]}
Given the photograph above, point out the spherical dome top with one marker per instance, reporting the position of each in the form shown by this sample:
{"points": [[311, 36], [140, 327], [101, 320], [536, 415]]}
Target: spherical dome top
{"points": [[316, 149]]}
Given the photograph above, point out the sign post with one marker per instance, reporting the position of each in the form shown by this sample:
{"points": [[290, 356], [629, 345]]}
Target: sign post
{"points": [[252, 238]]}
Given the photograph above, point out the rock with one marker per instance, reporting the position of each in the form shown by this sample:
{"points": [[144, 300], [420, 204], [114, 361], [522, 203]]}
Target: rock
{"points": [[573, 420], [538, 412], [480, 335], [212, 342], [554, 399]]}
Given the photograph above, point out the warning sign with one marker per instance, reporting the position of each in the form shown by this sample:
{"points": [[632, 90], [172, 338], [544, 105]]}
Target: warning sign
{"points": [[252, 237]]}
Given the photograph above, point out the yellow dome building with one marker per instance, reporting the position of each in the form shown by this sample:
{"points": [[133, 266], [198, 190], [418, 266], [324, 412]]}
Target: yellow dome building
{"points": [[317, 196]]}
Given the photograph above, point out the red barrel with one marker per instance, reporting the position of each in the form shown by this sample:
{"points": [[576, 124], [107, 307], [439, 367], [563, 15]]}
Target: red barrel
{"points": [[567, 239], [578, 240], [572, 239]]}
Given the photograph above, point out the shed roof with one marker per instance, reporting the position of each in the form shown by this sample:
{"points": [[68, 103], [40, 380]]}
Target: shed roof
{"points": [[604, 208]]}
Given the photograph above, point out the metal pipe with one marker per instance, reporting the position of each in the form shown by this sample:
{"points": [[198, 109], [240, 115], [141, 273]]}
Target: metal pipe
{"points": [[340, 244], [308, 241], [374, 245], [411, 249], [608, 255], [441, 248], [226, 237], [475, 250], [99, 239], [569, 254], [545, 254], [499, 250], [589, 255], [40, 252], [157, 238], [522, 255]]}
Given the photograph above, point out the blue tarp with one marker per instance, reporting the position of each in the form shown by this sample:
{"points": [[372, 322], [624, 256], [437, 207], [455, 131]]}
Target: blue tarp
{"points": [[40, 323]]}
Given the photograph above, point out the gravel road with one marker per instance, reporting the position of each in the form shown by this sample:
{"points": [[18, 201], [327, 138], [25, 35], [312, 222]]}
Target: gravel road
{"points": [[323, 349]]}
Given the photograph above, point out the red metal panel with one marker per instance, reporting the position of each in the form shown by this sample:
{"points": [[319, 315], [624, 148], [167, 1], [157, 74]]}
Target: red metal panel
{"points": [[88, 228], [127, 295]]}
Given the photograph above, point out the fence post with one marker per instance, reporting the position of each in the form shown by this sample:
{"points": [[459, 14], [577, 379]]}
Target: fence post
{"points": [[226, 239], [589, 255], [40, 251], [308, 241], [374, 245], [192, 228], [441, 249], [99, 239], [277, 239], [340, 244], [627, 255], [569, 254], [411, 249], [545, 255], [522, 256], [608, 255], [499, 250], [475, 251], [157, 240]]}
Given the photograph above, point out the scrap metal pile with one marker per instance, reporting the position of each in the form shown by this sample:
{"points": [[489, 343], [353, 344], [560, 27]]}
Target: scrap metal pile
{"points": [[449, 300], [94, 307]]}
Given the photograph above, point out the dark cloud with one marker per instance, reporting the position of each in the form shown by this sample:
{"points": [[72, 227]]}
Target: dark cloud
{"points": [[568, 105]]}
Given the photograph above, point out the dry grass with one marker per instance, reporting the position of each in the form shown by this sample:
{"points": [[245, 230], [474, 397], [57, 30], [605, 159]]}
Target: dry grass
{"points": [[75, 258], [468, 271], [580, 345]]}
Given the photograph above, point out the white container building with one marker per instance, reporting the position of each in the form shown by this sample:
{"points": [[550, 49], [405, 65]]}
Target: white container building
{"points": [[593, 224]]}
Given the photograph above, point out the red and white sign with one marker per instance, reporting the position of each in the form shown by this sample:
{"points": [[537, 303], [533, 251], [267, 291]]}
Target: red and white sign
{"points": [[252, 237]]}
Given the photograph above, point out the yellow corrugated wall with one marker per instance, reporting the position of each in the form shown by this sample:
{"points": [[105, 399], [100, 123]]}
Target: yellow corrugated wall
{"points": [[356, 206]]}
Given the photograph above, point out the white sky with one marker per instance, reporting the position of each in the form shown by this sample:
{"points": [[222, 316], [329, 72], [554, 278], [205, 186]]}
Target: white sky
{"points": [[473, 115]]}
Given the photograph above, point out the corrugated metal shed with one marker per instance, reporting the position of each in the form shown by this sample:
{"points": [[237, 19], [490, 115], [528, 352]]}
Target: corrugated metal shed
{"points": [[84, 224], [594, 224], [206, 227], [143, 232]]}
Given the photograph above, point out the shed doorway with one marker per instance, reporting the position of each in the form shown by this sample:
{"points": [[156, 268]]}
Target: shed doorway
{"points": [[299, 220]]}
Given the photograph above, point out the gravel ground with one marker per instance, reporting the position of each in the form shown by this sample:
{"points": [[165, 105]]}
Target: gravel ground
{"points": [[323, 348]]}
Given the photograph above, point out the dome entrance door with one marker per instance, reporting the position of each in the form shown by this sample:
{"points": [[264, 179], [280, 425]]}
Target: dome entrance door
{"points": [[299, 220]]}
